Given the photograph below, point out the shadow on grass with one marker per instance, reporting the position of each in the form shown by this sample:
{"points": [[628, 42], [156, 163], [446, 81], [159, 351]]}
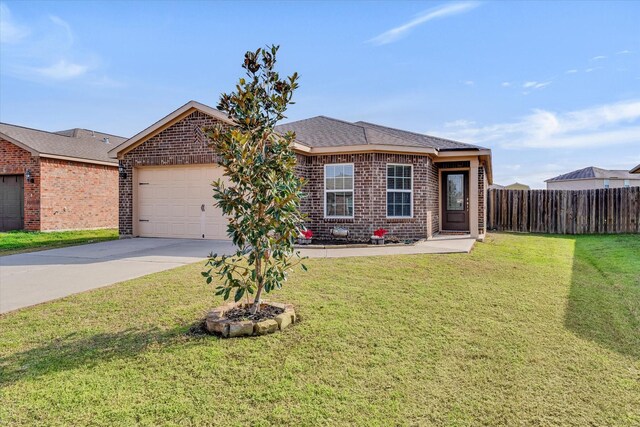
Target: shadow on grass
{"points": [[604, 299], [71, 351]]}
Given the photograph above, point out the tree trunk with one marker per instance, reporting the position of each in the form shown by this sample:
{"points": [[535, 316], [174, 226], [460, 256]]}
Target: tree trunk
{"points": [[256, 302]]}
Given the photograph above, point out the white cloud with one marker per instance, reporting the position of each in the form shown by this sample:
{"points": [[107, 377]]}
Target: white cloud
{"points": [[598, 58], [64, 25], [572, 71], [10, 31], [623, 52], [469, 82], [535, 85], [600, 126], [442, 11], [461, 123], [62, 70], [49, 54], [505, 84]]}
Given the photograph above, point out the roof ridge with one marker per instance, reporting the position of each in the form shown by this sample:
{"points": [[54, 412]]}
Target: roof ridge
{"points": [[322, 116], [425, 135], [90, 130], [37, 130], [59, 134]]}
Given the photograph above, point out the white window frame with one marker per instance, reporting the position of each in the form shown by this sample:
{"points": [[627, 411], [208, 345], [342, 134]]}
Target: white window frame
{"points": [[627, 184], [353, 190], [606, 183], [386, 186]]}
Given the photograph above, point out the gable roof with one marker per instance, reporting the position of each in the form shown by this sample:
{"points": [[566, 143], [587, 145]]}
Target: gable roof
{"points": [[325, 135], [322, 131], [76, 144], [592, 172], [635, 170], [164, 123]]}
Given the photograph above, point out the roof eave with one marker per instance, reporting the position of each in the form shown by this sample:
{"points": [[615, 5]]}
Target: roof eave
{"points": [[31, 150]]}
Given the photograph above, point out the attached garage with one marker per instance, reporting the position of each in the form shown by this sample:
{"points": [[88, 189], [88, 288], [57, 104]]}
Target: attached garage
{"points": [[11, 202], [166, 173], [177, 202]]}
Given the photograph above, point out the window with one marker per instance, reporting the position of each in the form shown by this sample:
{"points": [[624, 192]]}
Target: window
{"points": [[606, 183], [338, 191], [626, 183], [399, 191]]}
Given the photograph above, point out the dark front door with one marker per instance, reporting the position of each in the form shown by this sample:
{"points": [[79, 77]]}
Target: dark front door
{"points": [[11, 202], [455, 201]]}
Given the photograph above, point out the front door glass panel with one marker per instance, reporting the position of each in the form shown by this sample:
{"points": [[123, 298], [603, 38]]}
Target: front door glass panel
{"points": [[455, 192]]}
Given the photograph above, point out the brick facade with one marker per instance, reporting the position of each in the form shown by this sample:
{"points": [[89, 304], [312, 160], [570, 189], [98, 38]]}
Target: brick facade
{"points": [[76, 195], [482, 204], [182, 144], [370, 195], [63, 195]]}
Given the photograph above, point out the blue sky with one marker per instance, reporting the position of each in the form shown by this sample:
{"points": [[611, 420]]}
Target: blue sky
{"points": [[550, 87]]}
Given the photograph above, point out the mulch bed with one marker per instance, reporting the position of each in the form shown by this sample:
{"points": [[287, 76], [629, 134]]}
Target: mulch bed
{"points": [[388, 240], [266, 312]]}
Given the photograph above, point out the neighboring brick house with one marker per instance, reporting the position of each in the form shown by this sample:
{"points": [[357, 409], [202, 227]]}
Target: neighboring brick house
{"points": [[360, 176], [57, 181]]}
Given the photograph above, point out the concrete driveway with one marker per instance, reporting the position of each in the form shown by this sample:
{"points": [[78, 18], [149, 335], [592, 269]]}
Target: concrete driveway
{"points": [[32, 278]]}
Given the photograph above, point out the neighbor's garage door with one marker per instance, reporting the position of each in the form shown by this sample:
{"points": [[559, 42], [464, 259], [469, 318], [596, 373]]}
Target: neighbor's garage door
{"points": [[11, 202], [177, 201]]}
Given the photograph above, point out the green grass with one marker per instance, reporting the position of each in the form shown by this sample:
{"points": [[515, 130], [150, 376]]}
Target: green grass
{"points": [[13, 242], [525, 330]]}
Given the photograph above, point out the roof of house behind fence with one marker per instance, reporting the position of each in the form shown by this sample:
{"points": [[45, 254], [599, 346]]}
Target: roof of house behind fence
{"points": [[593, 172]]}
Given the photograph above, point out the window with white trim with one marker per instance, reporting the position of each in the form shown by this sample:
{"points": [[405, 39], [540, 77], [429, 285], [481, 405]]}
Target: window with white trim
{"points": [[338, 190], [626, 183], [606, 183], [399, 191]]}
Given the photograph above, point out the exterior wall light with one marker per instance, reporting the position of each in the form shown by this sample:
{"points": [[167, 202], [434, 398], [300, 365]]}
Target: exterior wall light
{"points": [[28, 176], [123, 173]]}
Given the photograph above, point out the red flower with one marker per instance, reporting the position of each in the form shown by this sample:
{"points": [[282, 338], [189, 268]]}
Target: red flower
{"points": [[307, 234], [380, 232]]}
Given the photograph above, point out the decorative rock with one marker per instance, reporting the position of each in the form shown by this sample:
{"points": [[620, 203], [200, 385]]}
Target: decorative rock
{"points": [[268, 326], [238, 329], [217, 323], [215, 314], [218, 326], [284, 320]]}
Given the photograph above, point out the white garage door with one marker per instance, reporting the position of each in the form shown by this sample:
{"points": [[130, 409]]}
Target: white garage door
{"points": [[177, 202]]}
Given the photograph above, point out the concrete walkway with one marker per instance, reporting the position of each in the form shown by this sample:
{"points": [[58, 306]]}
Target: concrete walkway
{"points": [[32, 278], [438, 245]]}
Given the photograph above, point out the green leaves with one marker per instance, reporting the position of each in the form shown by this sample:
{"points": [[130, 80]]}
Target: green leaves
{"points": [[262, 197]]}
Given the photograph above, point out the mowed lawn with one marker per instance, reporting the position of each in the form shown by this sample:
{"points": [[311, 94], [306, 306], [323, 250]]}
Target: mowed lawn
{"points": [[13, 242], [525, 330]]}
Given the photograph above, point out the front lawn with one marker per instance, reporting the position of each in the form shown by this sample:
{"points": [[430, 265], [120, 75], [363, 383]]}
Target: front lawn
{"points": [[13, 242], [525, 330]]}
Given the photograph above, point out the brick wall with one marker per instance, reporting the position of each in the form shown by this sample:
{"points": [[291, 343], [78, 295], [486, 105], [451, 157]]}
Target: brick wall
{"points": [[180, 144], [15, 161], [76, 195], [482, 206], [370, 195]]}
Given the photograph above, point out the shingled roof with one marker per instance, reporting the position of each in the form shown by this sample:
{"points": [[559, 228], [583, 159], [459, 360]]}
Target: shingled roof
{"points": [[322, 131], [82, 144], [592, 172]]}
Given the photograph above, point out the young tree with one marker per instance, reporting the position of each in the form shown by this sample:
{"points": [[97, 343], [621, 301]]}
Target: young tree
{"points": [[262, 197]]}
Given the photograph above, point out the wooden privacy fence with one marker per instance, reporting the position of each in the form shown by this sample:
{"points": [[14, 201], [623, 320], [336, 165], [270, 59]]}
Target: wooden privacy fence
{"points": [[610, 210]]}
